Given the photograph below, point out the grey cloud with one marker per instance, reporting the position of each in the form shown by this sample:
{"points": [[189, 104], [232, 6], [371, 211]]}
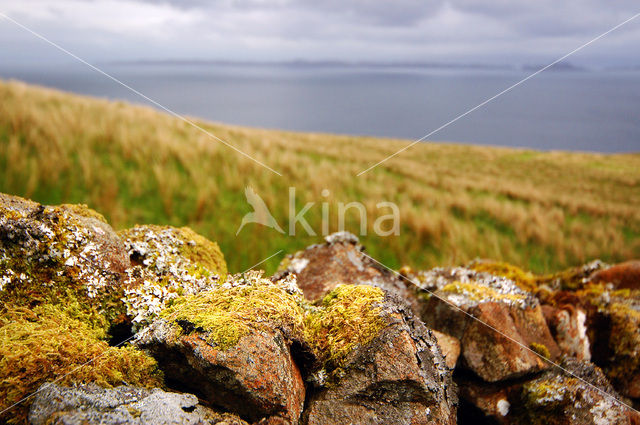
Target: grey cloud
{"points": [[438, 30]]}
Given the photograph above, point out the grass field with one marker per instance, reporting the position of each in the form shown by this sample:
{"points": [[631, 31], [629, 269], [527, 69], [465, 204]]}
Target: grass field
{"points": [[542, 211]]}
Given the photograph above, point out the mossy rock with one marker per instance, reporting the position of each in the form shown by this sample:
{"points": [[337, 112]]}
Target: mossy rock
{"points": [[47, 344], [525, 280], [579, 393], [350, 316], [244, 303], [623, 363], [63, 255], [573, 278], [167, 262]]}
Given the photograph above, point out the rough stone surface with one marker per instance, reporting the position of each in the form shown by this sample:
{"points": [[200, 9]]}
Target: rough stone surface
{"points": [[491, 402], [613, 329], [91, 404], [510, 328], [568, 326], [623, 276], [579, 394], [341, 260], [616, 328], [254, 373], [399, 377], [584, 398], [449, 347]]}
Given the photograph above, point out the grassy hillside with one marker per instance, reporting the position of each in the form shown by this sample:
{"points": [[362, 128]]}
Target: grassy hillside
{"points": [[542, 211]]}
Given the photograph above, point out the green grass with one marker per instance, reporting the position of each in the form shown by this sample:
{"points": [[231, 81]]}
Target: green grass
{"points": [[540, 210]]}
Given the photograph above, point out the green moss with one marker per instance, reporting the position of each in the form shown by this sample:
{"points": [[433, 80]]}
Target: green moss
{"points": [[45, 344], [540, 349], [47, 256], [350, 316], [244, 303], [525, 280]]}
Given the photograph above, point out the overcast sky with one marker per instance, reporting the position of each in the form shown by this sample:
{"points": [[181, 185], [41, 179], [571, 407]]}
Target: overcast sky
{"points": [[485, 31]]}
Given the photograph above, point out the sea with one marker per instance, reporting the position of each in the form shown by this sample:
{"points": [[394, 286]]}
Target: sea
{"points": [[566, 109]]}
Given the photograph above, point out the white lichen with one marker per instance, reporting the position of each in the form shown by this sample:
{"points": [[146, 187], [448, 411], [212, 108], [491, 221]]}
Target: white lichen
{"points": [[498, 289], [298, 264], [503, 407], [162, 274]]}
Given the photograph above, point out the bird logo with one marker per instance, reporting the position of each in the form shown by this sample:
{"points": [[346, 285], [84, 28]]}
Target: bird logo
{"points": [[260, 214]]}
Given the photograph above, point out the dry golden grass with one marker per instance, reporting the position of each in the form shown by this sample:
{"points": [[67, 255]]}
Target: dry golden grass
{"points": [[541, 211]]}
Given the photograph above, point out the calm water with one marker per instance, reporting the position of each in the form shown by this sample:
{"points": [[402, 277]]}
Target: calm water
{"points": [[593, 111]]}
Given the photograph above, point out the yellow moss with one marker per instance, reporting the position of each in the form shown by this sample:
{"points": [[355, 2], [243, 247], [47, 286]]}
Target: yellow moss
{"points": [[203, 252], [285, 263], [350, 316], [228, 313], [44, 344], [573, 278], [541, 349], [39, 277], [624, 342], [525, 280], [83, 210], [476, 292]]}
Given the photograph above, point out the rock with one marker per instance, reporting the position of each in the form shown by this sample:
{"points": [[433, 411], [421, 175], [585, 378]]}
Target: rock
{"points": [[231, 345], [449, 347], [381, 365], [613, 329], [167, 262], [617, 342], [622, 276], [483, 402], [65, 255], [341, 260], [579, 393], [92, 404], [584, 398], [508, 337], [568, 326]]}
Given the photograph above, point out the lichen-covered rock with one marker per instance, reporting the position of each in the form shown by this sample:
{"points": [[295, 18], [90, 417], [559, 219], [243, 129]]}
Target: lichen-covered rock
{"points": [[381, 365], [123, 405], [46, 343], [60, 255], [167, 262], [579, 393], [616, 348], [585, 397], [525, 280], [341, 260], [613, 329], [508, 337], [231, 345]]}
